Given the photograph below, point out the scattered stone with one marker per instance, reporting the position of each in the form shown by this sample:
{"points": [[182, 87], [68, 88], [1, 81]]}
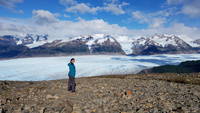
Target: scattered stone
{"points": [[52, 96], [100, 95], [129, 92]]}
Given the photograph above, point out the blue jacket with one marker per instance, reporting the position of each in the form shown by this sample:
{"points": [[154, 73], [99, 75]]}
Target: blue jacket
{"points": [[72, 70]]}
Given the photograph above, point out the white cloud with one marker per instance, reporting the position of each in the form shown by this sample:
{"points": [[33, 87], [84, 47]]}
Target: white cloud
{"points": [[154, 20], [181, 29], [165, 12], [44, 17], [192, 10], [11, 4], [68, 2], [188, 7], [45, 22], [157, 22], [174, 2], [59, 29], [112, 6], [14, 26], [74, 7], [176, 28], [139, 16], [82, 8], [115, 8]]}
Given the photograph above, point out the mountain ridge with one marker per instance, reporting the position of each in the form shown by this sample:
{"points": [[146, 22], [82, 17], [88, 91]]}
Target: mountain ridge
{"points": [[39, 45], [161, 44]]}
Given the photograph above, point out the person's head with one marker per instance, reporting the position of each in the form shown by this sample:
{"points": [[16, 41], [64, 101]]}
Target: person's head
{"points": [[72, 60]]}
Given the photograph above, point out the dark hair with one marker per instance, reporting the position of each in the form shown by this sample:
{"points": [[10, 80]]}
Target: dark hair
{"points": [[72, 59]]}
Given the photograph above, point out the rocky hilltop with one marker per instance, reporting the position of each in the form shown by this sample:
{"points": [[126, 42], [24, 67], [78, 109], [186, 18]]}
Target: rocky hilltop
{"points": [[155, 93], [183, 67]]}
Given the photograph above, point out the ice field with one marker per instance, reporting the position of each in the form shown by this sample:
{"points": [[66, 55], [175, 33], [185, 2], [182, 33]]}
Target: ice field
{"points": [[51, 68]]}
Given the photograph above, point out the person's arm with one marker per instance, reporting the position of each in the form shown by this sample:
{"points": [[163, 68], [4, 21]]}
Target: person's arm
{"points": [[68, 65]]}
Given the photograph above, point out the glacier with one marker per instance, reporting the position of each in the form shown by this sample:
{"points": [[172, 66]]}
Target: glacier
{"points": [[53, 68]]}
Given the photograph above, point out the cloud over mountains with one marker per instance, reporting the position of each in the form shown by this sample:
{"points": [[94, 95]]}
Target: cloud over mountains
{"points": [[43, 21]]}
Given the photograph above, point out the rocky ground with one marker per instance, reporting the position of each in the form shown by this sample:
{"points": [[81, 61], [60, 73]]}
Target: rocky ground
{"points": [[106, 94]]}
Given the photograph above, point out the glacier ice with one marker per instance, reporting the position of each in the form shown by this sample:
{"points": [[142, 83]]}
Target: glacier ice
{"points": [[52, 68]]}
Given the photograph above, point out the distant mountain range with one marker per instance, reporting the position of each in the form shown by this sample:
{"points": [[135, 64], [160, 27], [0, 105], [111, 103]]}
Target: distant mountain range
{"points": [[39, 45], [164, 44], [197, 41]]}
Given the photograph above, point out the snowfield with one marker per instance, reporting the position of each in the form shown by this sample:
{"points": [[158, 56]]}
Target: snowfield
{"points": [[51, 68]]}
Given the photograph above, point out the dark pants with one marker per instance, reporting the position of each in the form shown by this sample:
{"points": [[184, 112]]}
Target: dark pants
{"points": [[71, 84]]}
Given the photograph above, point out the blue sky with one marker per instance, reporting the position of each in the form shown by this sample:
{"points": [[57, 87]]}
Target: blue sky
{"points": [[125, 17]]}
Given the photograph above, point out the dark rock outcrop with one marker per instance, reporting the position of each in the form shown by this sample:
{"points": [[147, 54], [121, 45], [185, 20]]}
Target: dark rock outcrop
{"points": [[8, 47], [184, 67], [58, 47]]}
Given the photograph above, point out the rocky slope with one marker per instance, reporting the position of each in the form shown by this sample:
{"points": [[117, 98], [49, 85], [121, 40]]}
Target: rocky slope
{"points": [[105, 94], [12, 46], [183, 67]]}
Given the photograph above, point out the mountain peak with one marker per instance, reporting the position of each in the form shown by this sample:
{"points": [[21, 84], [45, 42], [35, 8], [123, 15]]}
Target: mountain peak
{"points": [[159, 43], [103, 43]]}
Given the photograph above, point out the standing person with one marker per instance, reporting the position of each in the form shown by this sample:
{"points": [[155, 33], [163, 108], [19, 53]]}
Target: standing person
{"points": [[71, 74]]}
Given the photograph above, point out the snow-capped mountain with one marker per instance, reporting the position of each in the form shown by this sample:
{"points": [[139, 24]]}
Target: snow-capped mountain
{"points": [[27, 39], [126, 43], [101, 43], [40, 45], [31, 40], [197, 42], [91, 44], [190, 41], [158, 44]]}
